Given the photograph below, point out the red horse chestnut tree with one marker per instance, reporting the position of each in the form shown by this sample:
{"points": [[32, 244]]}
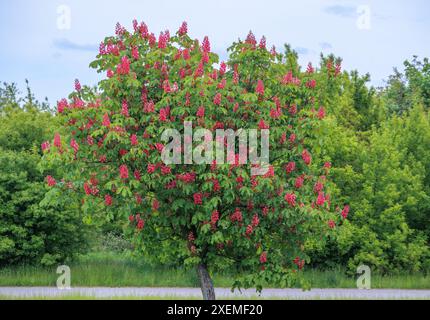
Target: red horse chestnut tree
{"points": [[210, 216]]}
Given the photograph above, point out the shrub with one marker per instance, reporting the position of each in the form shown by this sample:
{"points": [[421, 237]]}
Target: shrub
{"points": [[386, 185], [30, 232]]}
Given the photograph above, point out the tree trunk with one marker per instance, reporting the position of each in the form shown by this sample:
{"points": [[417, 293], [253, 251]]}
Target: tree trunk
{"points": [[206, 283]]}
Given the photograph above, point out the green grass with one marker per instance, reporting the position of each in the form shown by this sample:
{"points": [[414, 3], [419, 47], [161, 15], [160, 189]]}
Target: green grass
{"points": [[338, 279], [109, 270], [113, 270]]}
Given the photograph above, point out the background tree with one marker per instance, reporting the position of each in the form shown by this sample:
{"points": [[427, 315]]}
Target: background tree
{"points": [[31, 232], [407, 89], [380, 163]]}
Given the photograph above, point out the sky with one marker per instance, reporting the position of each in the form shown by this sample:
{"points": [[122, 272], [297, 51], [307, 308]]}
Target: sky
{"points": [[52, 42]]}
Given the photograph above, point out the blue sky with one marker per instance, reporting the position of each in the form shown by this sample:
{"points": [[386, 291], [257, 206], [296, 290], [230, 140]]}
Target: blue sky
{"points": [[33, 47]]}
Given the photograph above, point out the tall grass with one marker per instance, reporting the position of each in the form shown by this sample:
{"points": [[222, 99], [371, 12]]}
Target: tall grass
{"points": [[115, 270]]}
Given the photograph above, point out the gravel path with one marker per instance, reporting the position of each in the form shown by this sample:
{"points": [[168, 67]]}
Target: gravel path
{"points": [[102, 292]]}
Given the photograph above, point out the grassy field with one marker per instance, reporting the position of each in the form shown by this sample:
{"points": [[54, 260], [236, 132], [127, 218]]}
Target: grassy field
{"points": [[113, 270]]}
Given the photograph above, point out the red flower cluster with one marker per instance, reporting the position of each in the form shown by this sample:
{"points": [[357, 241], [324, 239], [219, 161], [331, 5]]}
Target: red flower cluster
{"points": [[198, 198], [327, 165], [201, 112], [124, 110], [183, 29], [108, 200], [214, 217], [206, 46], [74, 145], [311, 84], [262, 125], [188, 177], [345, 212], [77, 85], [50, 181], [260, 88], [123, 171], [299, 262], [57, 140], [164, 114], [124, 67], [263, 257], [321, 113], [291, 199], [62, 105], [249, 230], [140, 224], [217, 99], [236, 216], [133, 140], [45, 145], [90, 189], [290, 167], [163, 38], [255, 221], [306, 156], [299, 182], [318, 187], [320, 199], [106, 120], [290, 79]]}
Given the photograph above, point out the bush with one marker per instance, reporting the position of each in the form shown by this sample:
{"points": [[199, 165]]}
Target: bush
{"points": [[384, 176], [31, 232]]}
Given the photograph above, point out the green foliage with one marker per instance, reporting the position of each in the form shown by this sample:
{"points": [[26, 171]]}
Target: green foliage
{"points": [[405, 90], [31, 231], [392, 194], [381, 164], [23, 130]]}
